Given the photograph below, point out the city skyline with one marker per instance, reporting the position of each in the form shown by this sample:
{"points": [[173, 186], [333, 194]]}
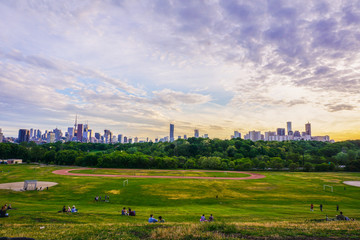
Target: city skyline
{"points": [[83, 133], [216, 66]]}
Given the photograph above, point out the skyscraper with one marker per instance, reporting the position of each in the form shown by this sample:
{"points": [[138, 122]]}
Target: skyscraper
{"points": [[289, 129], [308, 129], [50, 137], [171, 132], [237, 134], [120, 138], [196, 133], [79, 132], [71, 132], [1, 136], [24, 135], [107, 136], [280, 131]]}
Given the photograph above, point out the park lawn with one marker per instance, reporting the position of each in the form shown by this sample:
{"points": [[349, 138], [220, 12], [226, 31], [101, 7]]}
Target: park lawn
{"points": [[144, 172], [276, 206]]}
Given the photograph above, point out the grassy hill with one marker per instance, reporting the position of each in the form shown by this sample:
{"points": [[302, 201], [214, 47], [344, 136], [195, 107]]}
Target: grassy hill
{"points": [[275, 207]]}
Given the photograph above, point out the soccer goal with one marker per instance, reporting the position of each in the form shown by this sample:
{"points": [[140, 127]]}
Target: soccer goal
{"points": [[328, 187], [125, 182], [30, 185]]}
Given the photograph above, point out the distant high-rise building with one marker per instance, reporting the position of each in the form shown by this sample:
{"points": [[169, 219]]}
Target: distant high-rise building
{"points": [[38, 134], [196, 133], [136, 140], [297, 134], [185, 137], [171, 132], [50, 137], [71, 132], [107, 136], [289, 129], [31, 133], [308, 129], [130, 140], [120, 138], [179, 137], [97, 136], [79, 135], [24, 135], [206, 135], [255, 135], [1, 136], [237, 134], [156, 140], [270, 136], [280, 131], [125, 139], [58, 134]]}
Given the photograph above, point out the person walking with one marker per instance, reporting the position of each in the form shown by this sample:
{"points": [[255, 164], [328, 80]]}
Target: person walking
{"points": [[312, 207], [321, 207], [337, 207]]}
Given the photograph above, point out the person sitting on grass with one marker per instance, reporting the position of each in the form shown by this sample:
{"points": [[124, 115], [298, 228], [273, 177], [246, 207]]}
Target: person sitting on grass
{"points": [[69, 209], [73, 210], [211, 218], [152, 219], [161, 219], [131, 213], [124, 212], [203, 219], [3, 211]]}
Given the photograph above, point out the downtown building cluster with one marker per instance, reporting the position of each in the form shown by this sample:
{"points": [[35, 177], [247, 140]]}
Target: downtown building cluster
{"points": [[284, 134], [82, 133]]}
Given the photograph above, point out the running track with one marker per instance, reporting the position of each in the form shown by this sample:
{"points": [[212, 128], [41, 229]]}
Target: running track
{"points": [[68, 173]]}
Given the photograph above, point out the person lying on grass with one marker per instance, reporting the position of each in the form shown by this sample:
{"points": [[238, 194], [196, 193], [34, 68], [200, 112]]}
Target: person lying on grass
{"points": [[152, 219]]}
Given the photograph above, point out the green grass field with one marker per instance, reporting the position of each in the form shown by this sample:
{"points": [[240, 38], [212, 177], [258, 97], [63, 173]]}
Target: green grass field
{"points": [[275, 207], [142, 172]]}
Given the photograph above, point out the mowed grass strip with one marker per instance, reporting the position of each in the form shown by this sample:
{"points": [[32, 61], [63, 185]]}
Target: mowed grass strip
{"points": [[277, 206], [140, 172]]}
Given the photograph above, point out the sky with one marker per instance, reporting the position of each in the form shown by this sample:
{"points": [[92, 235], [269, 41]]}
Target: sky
{"points": [[136, 66]]}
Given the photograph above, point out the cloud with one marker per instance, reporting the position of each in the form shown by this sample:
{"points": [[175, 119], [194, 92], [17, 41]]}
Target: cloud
{"points": [[112, 60], [340, 107], [169, 97]]}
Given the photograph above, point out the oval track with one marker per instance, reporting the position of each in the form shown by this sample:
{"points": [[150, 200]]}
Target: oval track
{"points": [[68, 173]]}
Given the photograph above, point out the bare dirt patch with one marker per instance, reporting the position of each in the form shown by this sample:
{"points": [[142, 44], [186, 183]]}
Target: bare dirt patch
{"points": [[18, 186], [353, 183]]}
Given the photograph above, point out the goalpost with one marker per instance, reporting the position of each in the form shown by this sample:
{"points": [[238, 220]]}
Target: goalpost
{"points": [[126, 182], [328, 186]]}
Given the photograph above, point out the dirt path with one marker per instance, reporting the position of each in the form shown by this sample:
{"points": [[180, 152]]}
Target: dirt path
{"points": [[67, 172]]}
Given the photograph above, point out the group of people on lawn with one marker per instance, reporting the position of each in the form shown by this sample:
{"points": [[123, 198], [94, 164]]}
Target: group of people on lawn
{"points": [[68, 209], [338, 217], [98, 198], [128, 213]]}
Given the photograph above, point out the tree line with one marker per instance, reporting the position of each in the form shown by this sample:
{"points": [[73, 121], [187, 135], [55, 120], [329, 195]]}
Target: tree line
{"points": [[195, 153]]}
